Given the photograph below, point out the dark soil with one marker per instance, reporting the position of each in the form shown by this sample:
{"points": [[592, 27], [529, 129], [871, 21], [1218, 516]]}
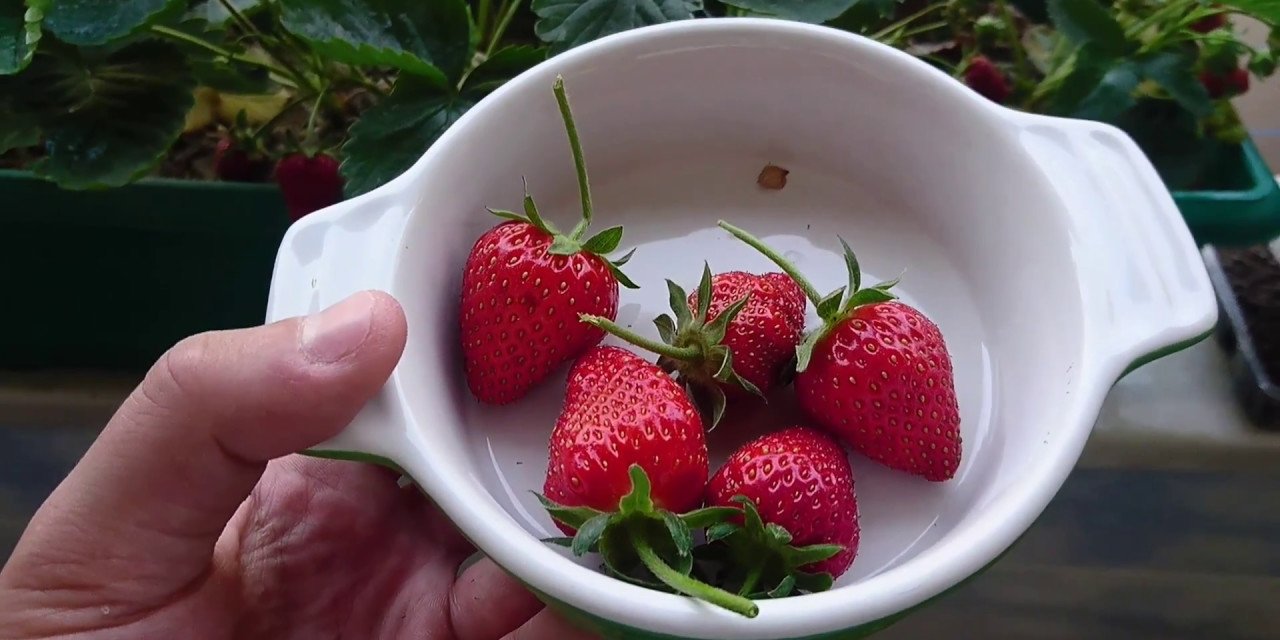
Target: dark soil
{"points": [[1254, 275]]}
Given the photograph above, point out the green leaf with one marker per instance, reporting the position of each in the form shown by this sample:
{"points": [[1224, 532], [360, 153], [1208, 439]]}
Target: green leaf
{"points": [[500, 67], [569, 23], [814, 553], [1089, 22], [851, 265], [813, 582], [605, 241], [1175, 72], [214, 12], [720, 531], [716, 330], [666, 327], [1267, 11], [784, 588], [107, 117], [708, 516], [231, 76], [94, 22], [20, 33], [561, 541], [589, 534], [681, 536], [830, 305], [865, 16], [1113, 95], [429, 38], [869, 296], [704, 293], [638, 500], [563, 246], [811, 11], [678, 300], [391, 136], [574, 517]]}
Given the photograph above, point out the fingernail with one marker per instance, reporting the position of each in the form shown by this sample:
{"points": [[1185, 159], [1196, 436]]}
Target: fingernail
{"points": [[336, 332]]}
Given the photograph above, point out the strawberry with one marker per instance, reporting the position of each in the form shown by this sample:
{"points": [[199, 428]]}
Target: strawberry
{"points": [[1209, 23], [524, 287], [733, 337], [624, 421], [796, 488], [1225, 85], [877, 373], [308, 183], [984, 77], [233, 163]]}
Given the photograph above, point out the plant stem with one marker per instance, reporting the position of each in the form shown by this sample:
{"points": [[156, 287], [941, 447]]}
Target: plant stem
{"points": [[690, 586], [482, 17], [753, 576], [1011, 29], [584, 187], [311, 118], [276, 118], [790, 269], [504, 20], [183, 36], [240, 18], [660, 348], [1173, 8], [906, 21]]}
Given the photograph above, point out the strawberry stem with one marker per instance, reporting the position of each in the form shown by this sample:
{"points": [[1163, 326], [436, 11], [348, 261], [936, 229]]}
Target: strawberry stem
{"points": [[790, 269], [584, 187], [689, 586], [660, 348]]}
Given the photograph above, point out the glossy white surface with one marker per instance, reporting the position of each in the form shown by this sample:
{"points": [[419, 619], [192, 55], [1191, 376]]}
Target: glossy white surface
{"points": [[1047, 252]]}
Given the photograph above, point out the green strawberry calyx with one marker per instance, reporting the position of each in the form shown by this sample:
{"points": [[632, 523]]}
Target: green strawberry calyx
{"points": [[760, 560], [646, 545], [833, 308], [692, 347], [600, 244]]}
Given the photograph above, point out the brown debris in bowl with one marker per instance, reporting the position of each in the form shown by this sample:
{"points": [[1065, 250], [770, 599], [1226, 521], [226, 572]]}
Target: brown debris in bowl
{"points": [[772, 177]]}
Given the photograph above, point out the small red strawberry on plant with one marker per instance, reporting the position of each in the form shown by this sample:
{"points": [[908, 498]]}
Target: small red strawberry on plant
{"points": [[800, 526], [877, 373], [308, 182], [627, 464], [234, 162], [1210, 23], [1225, 85], [983, 76], [524, 287], [731, 338]]}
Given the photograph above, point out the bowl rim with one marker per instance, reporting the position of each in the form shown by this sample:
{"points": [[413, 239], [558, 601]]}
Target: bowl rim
{"points": [[955, 557]]}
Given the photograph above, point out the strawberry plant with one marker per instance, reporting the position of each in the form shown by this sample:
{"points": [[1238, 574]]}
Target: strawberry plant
{"points": [[100, 93]]}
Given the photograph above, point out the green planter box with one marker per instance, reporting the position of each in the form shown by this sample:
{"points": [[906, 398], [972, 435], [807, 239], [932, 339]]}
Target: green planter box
{"points": [[110, 279], [1244, 210]]}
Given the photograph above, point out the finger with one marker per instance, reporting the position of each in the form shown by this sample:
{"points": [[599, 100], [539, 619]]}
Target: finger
{"points": [[487, 603], [139, 515], [548, 625]]}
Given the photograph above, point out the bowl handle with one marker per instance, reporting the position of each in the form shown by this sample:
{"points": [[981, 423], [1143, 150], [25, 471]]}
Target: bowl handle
{"points": [[1147, 287], [325, 257]]}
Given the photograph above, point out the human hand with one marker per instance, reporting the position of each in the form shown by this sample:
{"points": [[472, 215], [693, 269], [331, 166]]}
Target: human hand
{"points": [[188, 518]]}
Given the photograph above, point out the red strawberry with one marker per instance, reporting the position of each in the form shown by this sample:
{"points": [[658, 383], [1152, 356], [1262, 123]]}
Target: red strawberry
{"points": [[234, 163], [524, 287], [308, 183], [624, 421], [877, 374], [984, 77], [1210, 23], [798, 479], [1221, 85], [737, 344]]}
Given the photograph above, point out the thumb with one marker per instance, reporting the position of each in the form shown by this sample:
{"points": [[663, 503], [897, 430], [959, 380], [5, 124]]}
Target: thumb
{"points": [[141, 512]]}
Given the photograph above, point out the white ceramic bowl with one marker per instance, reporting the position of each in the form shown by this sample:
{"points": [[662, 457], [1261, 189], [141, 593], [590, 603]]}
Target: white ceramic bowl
{"points": [[1047, 251]]}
